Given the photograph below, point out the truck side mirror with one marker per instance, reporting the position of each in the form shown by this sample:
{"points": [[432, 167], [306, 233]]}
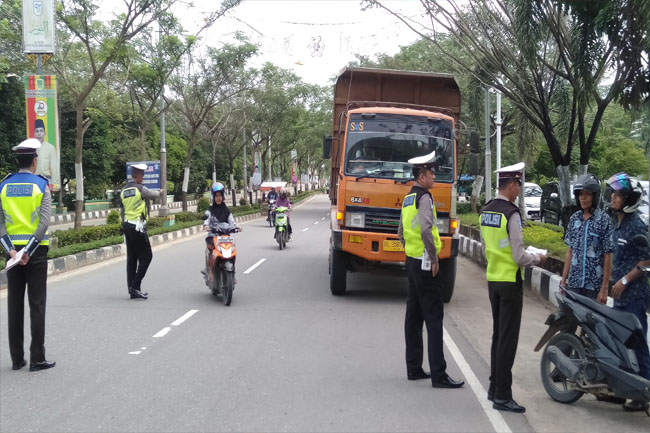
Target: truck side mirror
{"points": [[474, 168], [474, 145], [327, 146]]}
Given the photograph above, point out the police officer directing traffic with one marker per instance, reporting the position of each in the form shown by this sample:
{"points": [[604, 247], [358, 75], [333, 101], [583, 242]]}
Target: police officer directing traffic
{"points": [[419, 235], [135, 212], [504, 250], [24, 218]]}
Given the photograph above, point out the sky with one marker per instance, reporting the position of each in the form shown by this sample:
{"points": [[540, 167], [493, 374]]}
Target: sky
{"points": [[313, 38]]}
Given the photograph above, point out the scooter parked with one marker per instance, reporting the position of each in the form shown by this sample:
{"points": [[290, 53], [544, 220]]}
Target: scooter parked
{"points": [[591, 350]]}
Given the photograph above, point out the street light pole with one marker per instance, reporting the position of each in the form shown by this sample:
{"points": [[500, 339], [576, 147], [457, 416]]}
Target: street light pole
{"points": [[163, 145], [488, 154]]}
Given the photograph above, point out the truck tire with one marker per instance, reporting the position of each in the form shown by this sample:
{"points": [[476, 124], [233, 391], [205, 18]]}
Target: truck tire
{"points": [[447, 278], [338, 271]]}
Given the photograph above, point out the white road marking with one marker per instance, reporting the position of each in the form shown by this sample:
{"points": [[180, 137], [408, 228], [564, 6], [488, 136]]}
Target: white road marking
{"points": [[162, 332], [316, 222], [252, 268], [493, 415], [184, 317], [305, 229], [137, 352], [322, 219]]}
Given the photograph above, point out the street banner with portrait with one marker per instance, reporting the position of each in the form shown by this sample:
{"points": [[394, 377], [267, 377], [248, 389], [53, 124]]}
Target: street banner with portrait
{"points": [[38, 26], [43, 124]]}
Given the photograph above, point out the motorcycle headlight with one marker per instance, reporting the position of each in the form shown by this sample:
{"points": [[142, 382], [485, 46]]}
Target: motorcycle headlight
{"points": [[355, 219]]}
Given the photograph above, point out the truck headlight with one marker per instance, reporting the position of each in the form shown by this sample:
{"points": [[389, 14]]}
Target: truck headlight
{"points": [[355, 219], [443, 225]]}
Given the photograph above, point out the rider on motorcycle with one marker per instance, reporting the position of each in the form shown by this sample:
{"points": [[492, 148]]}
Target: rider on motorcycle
{"points": [[218, 217], [272, 195], [284, 201]]}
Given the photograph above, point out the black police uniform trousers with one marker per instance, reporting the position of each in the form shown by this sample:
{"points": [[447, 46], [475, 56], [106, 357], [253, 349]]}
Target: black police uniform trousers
{"points": [[138, 255], [507, 302], [33, 275], [423, 304]]}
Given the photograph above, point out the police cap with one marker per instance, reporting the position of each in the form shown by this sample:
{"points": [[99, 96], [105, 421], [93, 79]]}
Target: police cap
{"points": [[424, 161], [27, 147]]}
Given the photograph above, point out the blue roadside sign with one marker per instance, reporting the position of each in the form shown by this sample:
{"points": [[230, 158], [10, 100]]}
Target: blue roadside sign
{"points": [[151, 176]]}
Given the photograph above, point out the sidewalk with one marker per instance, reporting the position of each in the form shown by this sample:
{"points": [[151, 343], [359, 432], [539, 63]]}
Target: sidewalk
{"points": [[69, 217]]}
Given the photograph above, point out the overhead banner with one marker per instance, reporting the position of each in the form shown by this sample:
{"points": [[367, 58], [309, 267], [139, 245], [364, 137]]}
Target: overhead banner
{"points": [[38, 26], [43, 123]]}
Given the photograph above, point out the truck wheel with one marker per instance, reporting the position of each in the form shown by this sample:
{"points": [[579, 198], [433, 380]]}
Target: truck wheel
{"points": [[447, 278], [338, 270]]}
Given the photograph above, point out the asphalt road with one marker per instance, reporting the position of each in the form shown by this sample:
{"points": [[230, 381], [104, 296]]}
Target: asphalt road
{"points": [[285, 356]]}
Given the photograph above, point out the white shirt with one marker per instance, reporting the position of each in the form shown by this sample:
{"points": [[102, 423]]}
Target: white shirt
{"points": [[48, 164]]}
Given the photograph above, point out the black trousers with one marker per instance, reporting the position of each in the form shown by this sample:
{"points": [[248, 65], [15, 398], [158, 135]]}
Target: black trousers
{"points": [[423, 304], [507, 301], [138, 255], [33, 275]]}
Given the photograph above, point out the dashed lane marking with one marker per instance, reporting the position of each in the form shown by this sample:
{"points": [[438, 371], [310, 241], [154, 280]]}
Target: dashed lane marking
{"points": [[305, 229], [162, 332], [316, 222], [252, 268], [184, 317]]}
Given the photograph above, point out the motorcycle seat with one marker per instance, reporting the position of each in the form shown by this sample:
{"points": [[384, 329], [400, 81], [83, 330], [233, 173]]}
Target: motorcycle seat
{"points": [[623, 318]]}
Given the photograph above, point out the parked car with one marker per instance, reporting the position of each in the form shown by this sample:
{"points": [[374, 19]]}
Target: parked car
{"points": [[532, 199], [551, 206]]}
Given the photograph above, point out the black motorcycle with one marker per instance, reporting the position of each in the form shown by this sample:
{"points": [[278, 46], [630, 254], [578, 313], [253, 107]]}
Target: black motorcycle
{"points": [[591, 350]]}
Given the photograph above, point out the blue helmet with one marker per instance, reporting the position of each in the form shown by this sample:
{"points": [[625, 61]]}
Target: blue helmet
{"points": [[217, 187]]}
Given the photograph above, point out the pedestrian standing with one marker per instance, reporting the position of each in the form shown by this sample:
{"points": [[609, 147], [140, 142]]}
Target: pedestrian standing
{"points": [[631, 292], [418, 234], [25, 204], [588, 261], [135, 212], [504, 251]]}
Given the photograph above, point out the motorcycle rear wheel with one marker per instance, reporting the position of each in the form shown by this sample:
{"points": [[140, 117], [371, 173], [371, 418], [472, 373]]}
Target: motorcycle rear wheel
{"points": [[555, 383], [227, 288]]}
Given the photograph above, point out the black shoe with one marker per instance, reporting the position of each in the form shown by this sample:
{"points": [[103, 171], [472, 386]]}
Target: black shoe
{"points": [[490, 396], [635, 406], [447, 382], [18, 365], [610, 399], [136, 294], [508, 406], [417, 375], [43, 365]]}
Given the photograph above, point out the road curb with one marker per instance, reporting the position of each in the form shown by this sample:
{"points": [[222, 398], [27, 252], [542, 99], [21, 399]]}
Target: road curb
{"points": [[69, 217], [540, 281], [64, 264]]}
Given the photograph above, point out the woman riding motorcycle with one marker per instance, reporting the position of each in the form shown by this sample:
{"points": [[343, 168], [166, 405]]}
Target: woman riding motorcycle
{"points": [[218, 217], [283, 201]]}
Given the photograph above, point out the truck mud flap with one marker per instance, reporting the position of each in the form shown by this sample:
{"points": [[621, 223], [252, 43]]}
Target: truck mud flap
{"points": [[337, 240], [455, 242]]}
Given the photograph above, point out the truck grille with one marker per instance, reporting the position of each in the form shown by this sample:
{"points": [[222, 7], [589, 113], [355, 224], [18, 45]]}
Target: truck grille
{"points": [[384, 220]]}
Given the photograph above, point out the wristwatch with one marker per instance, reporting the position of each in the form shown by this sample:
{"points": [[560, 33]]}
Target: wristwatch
{"points": [[624, 281]]}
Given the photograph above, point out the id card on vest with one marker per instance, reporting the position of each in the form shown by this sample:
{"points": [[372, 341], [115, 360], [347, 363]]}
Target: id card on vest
{"points": [[426, 261]]}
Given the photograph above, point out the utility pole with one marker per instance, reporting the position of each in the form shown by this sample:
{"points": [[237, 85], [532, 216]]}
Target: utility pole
{"points": [[498, 123], [244, 156], [163, 145], [488, 154], [270, 162]]}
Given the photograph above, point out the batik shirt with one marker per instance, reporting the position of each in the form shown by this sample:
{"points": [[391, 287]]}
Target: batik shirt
{"points": [[589, 241], [626, 257]]}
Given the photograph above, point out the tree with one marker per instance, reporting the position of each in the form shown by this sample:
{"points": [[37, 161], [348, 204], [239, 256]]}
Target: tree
{"points": [[547, 59], [103, 45], [204, 83]]}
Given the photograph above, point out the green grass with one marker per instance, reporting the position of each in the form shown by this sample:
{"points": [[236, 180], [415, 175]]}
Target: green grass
{"points": [[545, 236]]}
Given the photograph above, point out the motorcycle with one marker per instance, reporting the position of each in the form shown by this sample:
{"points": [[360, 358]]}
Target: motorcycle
{"points": [[598, 358], [281, 226], [220, 258], [271, 212]]}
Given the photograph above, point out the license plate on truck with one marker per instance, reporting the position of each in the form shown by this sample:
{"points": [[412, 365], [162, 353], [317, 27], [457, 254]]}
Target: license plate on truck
{"points": [[390, 245]]}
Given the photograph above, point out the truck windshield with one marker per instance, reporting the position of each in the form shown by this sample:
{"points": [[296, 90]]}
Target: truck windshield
{"points": [[380, 147]]}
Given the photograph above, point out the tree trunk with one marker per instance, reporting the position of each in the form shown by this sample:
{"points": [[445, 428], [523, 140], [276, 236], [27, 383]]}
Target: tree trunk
{"points": [[522, 199], [143, 144], [78, 167], [583, 169], [476, 192], [186, 181], [564, 178]]}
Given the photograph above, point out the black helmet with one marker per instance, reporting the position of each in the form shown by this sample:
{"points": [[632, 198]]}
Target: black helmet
{"points": [[629, 188], [587, 182]]}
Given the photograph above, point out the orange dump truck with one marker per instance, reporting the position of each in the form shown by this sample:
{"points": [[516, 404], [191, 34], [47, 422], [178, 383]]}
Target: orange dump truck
{"points": [[382, 118]]}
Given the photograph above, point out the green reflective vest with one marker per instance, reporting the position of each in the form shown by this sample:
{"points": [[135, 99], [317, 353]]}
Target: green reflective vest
{"points": [[21, 195], [133, 203], [498, 252], [414, 247]]}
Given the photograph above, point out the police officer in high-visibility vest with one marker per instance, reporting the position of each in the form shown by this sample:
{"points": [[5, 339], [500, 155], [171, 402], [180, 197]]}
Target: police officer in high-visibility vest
{"points": [[419, 235], [504, 251], [135, 212], [25, 204]]}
